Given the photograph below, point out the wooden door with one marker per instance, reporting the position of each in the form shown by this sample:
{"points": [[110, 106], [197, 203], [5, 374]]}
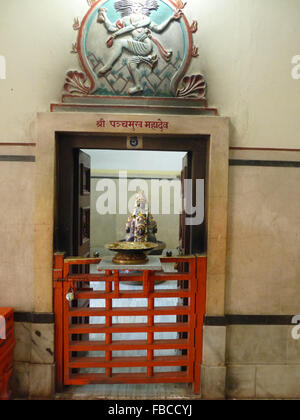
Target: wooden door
{"points": [[184, 241], [82, 207], [81, 229], [191, 237], [184, 230]]}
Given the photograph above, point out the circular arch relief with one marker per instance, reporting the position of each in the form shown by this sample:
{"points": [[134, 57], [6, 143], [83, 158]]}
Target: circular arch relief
{"points": [[160, 80]]}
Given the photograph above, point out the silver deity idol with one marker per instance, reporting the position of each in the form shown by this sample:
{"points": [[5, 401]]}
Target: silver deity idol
{"points": [[141, 226]]}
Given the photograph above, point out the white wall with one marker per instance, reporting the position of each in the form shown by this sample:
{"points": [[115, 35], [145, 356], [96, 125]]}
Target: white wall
{"points": [[246, 48], [135, 160]]}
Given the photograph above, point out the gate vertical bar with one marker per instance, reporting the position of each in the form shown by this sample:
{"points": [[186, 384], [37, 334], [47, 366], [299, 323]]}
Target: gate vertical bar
{"points": [[58, 314], [192, 316], [150, 335], [108, 320], [67, 321], [200, 313]]}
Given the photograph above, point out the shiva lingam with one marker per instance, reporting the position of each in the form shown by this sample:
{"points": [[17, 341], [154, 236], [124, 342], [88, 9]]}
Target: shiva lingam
{"points": [[140, 235]]}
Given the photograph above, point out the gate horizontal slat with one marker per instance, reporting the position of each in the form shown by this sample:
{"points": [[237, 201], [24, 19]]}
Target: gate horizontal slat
{"points": [[162, 310], [128, 277], [128, 345], [99, 362], [129, 328], [133, 378], [133, 294], [87, 278]]}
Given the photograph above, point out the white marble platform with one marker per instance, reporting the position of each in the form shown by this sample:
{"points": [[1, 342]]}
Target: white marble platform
{"points": [[153, 264]]}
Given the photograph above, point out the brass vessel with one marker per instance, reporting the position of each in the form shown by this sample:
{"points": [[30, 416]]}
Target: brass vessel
{"points": [[131, 253]]}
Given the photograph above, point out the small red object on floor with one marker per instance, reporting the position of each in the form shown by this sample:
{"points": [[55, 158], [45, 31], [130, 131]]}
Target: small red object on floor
{"points": [[7, 344]]}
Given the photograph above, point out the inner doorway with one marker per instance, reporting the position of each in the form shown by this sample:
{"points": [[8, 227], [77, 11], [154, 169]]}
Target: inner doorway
{"points": [[116, 176], [171, 159]]}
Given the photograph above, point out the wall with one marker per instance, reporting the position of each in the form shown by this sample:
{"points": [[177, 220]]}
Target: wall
{"points": [[264, 235], [245, 52], [247, 48], [17, 171], [263, 275]]}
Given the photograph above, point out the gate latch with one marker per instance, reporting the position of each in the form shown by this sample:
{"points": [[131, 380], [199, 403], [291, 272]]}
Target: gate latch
{"points": [[70, 295]]}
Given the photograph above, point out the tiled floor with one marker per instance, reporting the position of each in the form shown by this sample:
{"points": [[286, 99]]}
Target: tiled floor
{"points": [[129, 392]]}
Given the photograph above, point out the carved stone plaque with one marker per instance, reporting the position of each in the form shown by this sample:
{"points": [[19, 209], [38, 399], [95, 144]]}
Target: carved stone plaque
{"points": [[135, 48]]}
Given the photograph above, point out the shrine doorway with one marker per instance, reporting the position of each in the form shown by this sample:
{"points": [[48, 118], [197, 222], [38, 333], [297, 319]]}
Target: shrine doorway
{"points": [[77, 221], [56, 129], [190, 163]]}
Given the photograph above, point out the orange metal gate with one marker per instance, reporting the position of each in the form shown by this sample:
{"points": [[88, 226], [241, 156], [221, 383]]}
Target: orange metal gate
{"points": [[78, 356]]}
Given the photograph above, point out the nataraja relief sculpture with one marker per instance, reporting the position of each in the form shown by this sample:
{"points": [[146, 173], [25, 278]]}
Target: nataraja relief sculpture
{"points": [[135, 21], [135, 48]]}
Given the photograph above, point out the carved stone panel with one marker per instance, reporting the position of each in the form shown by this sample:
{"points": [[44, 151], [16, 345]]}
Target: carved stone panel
{"points": [[135, 48]]}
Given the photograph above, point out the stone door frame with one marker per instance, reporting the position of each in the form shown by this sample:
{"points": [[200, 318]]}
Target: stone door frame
{"points": [[216, 129]]}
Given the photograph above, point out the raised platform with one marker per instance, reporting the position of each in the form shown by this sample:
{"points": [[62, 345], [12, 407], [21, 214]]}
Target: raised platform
{"points": [[153, 264], [129, 104]]}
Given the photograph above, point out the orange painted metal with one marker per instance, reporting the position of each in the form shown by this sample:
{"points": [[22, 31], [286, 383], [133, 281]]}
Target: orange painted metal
{"points": [[58, 312], [74, 356], [200, 314], [7, 344]]}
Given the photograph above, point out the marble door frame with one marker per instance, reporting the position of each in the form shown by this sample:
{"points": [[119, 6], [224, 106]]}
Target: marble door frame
{"points": [[215, 128]]}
